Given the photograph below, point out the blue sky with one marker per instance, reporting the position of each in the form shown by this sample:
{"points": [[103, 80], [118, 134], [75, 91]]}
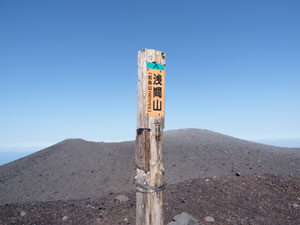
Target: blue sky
{"points": [[68, 68]]}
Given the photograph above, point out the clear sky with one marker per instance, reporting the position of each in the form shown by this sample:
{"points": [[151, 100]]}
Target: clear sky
{"points": [[68, 68]]}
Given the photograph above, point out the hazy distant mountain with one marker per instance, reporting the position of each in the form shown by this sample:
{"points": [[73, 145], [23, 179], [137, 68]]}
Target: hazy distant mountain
{"points": [[75, 168]]}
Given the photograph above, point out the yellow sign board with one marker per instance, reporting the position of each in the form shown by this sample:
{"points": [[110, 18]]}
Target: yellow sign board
{"points": [[155, 88]]}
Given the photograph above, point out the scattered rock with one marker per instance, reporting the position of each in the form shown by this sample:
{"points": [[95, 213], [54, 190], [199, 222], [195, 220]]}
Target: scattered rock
{"points": [[184, 219], [238, 174], [207, 180], [23, 213], [64, 218], [126, 221], [172, 223], [209, 219], [101, 207], [122, 198]]}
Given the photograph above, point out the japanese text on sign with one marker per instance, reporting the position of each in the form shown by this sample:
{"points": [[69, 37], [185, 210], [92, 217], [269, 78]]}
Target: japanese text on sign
{"points": [[155, 99]]}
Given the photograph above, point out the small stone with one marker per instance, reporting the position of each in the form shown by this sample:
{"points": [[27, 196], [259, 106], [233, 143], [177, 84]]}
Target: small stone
{"points": [[122, 198], [172, 223], [101, 207], [209, 219], [207, 180], [23, 213], [238, 174], [64, 218], [184, 219]]}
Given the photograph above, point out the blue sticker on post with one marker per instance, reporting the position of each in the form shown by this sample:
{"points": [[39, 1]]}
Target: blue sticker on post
{"points": [[155, 66]]}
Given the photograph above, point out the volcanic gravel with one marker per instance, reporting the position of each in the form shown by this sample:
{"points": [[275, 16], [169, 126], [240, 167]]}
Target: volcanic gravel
{"points": [[78, 169], [245, 199]]}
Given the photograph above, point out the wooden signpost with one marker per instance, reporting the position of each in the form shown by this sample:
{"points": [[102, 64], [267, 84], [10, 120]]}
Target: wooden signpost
{"points": [[150, 125]]}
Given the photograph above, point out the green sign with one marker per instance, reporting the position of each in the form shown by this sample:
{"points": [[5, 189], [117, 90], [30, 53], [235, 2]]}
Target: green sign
{"points": [[155, 66]]}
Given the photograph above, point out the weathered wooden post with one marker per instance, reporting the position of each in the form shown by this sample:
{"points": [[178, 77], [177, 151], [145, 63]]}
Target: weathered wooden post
{"points": [[150, 125]]}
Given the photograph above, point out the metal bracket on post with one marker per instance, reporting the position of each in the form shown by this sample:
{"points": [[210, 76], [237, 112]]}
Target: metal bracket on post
{"points": [[139, 131], [147, 188]]}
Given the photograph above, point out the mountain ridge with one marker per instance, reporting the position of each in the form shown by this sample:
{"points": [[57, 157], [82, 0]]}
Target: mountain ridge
{"points": [[76, 168]]}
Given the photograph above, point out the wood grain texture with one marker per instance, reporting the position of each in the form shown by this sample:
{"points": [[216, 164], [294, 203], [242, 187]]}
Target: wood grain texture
{"points": [[142, 153], [149, 210]]}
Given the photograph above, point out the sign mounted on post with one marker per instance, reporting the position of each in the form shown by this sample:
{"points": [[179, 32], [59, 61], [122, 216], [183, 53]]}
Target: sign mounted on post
{"points": [[155, 98], [149, 178]]}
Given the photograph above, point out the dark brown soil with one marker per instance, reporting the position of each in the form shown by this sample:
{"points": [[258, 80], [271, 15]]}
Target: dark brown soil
{"points": [[245, 199]]}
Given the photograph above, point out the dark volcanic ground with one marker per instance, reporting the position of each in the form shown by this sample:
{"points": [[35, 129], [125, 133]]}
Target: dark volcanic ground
{"points": [[76, 182], [77, 169], [246, 199]]}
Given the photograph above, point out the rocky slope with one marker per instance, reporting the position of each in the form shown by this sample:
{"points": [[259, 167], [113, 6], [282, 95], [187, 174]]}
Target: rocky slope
{"points": [[76, 169], [246, 199]]}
